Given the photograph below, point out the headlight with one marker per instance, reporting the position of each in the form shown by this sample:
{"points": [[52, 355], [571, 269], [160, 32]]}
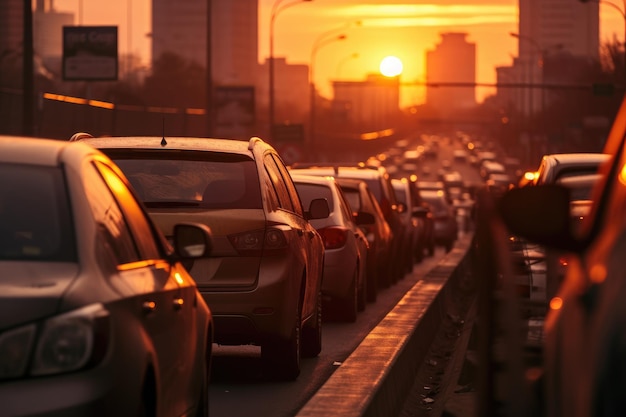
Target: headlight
{"points": [[65, 343], [15, 348]]}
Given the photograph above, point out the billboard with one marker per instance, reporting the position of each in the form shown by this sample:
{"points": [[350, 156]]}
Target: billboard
{"points": [[90, 53], [235, 111]]}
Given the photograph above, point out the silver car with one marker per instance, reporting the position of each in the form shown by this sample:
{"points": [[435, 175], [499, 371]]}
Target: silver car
{"points": [[98, 315], [344, 281]]}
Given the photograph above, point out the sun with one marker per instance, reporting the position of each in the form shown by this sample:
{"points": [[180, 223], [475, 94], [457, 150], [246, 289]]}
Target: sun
{"points": [[391, 66]]}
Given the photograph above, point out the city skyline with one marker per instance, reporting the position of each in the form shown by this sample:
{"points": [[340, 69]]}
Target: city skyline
{"points": [[404, 29]]}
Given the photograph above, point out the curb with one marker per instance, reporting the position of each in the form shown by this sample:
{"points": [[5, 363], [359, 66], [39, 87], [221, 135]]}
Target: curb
{"points": [[377, 377]]}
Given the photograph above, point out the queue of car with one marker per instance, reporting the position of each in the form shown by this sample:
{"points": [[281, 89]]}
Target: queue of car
{"points": [[148, 243]]}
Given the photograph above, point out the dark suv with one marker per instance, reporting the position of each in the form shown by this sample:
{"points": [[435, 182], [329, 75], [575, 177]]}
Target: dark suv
{"points": [[263, 281]]}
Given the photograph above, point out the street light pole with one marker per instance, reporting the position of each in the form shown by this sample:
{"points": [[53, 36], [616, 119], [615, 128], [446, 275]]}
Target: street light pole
{"points": [[321, 41], [276, 9]]}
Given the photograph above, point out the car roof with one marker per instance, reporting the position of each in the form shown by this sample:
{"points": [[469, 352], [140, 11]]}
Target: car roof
{"points": [[578, 158], [35, 151], [359, 172], [179, 143]]}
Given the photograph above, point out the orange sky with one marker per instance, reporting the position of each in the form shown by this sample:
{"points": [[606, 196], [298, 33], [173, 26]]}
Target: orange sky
{"points": [[405, 28]]}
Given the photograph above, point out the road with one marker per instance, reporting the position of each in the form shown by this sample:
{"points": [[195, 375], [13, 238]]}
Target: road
{"points": [[239, 388]]}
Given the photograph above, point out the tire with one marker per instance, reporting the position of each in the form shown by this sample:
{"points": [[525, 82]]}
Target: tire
{"points": [[312, 331], [280, 357]]}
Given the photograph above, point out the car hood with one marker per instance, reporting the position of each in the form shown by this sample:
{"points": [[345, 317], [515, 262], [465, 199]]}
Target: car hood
{"points": [[32, 290]]}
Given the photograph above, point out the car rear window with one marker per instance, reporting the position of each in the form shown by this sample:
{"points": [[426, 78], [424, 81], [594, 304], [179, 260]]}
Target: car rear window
{"points": [[35, 219], [208, 180], [309, 192], [353, 197]]}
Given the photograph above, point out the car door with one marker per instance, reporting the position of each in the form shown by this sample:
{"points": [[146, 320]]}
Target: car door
{"points": [[149, 287]]}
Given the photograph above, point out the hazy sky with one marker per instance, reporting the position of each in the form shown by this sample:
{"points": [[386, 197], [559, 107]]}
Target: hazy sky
{"points": [[404, 28]]}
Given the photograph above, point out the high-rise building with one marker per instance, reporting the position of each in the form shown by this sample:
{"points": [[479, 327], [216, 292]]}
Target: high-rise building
{"points": [[452, 61], [563, 29], [180, 27]]}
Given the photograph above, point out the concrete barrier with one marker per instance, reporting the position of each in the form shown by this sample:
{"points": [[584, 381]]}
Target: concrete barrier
{"points": [[376, 378]]}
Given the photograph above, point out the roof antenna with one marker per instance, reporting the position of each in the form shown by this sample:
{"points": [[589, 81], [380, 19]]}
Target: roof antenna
{"points": [[163, 141]]}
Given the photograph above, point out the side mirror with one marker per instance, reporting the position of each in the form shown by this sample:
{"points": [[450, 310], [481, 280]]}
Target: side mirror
{"points": [[364, 218], [318, 209], [192, 240], [540, 214]]}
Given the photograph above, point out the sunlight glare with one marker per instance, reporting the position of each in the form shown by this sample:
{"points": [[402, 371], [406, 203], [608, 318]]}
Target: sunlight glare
{"points": [[391, 66]]}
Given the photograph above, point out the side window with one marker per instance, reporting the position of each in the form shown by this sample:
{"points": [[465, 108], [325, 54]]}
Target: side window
{"points": [[114, 235], [346, 209], [293, 193], [136, 218], [278, 183]]}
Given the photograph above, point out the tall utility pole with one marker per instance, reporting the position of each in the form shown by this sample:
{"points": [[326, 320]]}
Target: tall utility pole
{"points": [[210, 107], [28, 71]]}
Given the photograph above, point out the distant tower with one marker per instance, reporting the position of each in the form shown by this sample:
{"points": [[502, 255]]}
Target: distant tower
{"points": [[452, 61]]}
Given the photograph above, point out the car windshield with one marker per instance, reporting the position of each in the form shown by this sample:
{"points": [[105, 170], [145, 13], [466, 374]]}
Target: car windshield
{"points": [[209, 181], [35, 219]]}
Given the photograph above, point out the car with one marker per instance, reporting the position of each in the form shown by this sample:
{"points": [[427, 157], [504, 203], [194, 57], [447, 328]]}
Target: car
{"points": [[379, 182], [445, 227], [555, 166], [264, 278], [585, 324], [344, 282], [377, 232], [413, 215], [99, 315]]}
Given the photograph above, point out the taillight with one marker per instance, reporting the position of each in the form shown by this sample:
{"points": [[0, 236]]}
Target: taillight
{"points": [[334, 237], [254, 242]]}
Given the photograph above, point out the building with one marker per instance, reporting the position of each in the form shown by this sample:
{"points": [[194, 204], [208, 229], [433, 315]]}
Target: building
{"points": [[367, 106], [48, 34], [452, 61], [549, 30], [180, 27], [291, 90]]}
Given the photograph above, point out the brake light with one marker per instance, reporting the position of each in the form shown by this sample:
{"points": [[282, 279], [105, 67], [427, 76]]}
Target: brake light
{"points": [[334, 237], [254, 242]]}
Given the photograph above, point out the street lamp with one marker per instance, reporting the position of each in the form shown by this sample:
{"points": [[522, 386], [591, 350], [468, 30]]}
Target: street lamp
{"points": [[276, 9], [354, 55], [323, 39]]}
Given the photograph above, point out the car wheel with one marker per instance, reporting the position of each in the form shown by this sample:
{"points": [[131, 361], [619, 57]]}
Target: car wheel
{"points": [[280, 357], [312, 331]]}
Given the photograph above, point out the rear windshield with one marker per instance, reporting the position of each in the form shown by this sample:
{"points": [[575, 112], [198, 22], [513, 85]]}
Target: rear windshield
{"points": [[208, 180], [353, 197], [309, 192], [35, 218]]}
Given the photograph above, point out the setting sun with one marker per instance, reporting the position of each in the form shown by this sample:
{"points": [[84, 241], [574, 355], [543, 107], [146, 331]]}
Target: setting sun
{"points": [[391, 66]]}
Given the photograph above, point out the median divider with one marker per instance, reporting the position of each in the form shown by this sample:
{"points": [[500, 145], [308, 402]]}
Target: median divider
{"points": [[377, 377]]}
